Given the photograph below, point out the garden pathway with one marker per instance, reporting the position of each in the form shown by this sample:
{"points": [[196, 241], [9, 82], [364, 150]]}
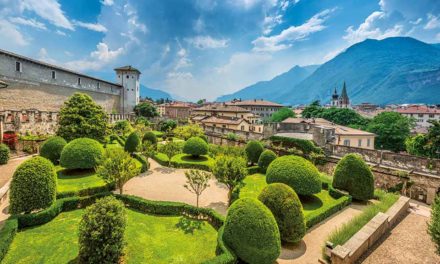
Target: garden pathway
{"points": [[166, 184], [7, 170]]}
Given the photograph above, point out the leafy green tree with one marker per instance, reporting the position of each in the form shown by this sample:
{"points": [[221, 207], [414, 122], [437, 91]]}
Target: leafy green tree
{"points": [[196, 147], [132, 143], [416, 145], [122, 127], [230, 171], [433, 138], [81, 117], [170, 149], [434, 224], [253, 151], [188, 131], [117, 166], [343, 116], [4, 154], [167, 125], [146, 110], [200, 102], [196, 182], [282, 114], [312, 110], [391, 129]]}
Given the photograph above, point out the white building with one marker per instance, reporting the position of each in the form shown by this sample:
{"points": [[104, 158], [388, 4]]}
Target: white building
{"points": [[128, 77], [421, 113]]}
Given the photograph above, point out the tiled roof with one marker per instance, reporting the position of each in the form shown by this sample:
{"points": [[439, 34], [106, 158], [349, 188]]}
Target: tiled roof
{"points": [[255, 102], [222, 108], [418, 109], [339, 130], [127, 68], [217, 120]]}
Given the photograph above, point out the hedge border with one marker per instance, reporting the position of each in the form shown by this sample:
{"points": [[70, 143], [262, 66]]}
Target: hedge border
{"points": [[87, 191], [306, 146], [164, 162], [143, 161]]}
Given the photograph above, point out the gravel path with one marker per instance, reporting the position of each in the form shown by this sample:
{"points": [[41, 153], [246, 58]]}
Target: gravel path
{"points": [[7, 170]]}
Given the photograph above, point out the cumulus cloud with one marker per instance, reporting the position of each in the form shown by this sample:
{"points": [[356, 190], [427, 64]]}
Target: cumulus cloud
{"points": [[44, 56], [292, 34], [433, 22], [10, 32], [107, 2], [49, 10], [207, 42], [28, 22], [97, 59], [91, 26]]}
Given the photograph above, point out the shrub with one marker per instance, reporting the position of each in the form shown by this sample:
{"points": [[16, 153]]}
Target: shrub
{"points": [[122, 127], [253, 151], [251, 232], [434, 224], [286, 207], [196, 147], [266, 158], [101, 232], [353, 175], [298, 173], [151, 137], [132, 143], [33, 186], [81, 153], [188, 131], [51, 149], [4, 154]]}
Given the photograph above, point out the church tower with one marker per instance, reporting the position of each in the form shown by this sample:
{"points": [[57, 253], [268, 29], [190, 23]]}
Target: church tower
{"points": [[344, 101], [335, 98], [128, 77]]}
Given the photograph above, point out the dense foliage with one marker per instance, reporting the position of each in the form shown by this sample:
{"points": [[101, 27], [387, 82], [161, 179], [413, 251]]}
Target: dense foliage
{"points": [[33, 186], [298, 173], [253, 151], [167, 125], [101, 232], [122, 127], [170, 149], [353, 175], [196, 147], [188, 131], [434, 224], [4, 154], [286, 207], [340, 116], [266, 158], [81, 153], [282, 114], [51, 149], [425, 145], [251, 232], [217, 150], [81, 117], [146, 109], [230, 170], [391, 129], [132, 143]]}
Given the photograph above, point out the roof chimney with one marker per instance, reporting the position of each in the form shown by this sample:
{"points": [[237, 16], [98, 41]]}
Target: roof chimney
{"points": [[255, 100]]}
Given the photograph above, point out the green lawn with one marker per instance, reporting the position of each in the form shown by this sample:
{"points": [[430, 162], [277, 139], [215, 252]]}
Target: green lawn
{"points": [[150, 239], [188, 159]]}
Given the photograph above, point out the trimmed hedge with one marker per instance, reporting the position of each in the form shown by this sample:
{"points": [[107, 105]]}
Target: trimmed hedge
{"points": [[7, 234], [33, 186], [4, 154], [150, 136], [52, 148], [253, 151], [353, 175], [196, 147], [132, 143], [87, 191], [143, 161], [254, 170], [187, 162], [265, 159], [306, 146], [252, 232], [298, 173], [224, 254], [318, 216], [287, 209], [161, 158], [81, 153], [114, 137]]}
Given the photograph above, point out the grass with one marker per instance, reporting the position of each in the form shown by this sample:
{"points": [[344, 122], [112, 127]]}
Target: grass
{"points": [[346, 231], [148, 237], [184, 159], [75, 180]]}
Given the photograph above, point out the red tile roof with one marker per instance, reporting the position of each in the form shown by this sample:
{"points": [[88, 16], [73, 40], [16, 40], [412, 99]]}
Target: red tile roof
{"points": [[255, 102], [418, 109]]}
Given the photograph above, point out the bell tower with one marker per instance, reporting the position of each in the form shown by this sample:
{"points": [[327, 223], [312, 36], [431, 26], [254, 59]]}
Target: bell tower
{"points": [[128, 77]]}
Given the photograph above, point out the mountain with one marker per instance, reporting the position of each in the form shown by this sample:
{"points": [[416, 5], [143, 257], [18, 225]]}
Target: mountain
{"points": [[269, 89], [153, 93], [392, 70]]}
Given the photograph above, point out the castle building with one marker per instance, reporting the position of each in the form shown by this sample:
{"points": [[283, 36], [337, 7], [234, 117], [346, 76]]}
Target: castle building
{"points": [[341, 101], [33, 84]]}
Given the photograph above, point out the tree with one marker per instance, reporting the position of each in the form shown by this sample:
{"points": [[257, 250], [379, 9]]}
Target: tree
{"points": [[416, 145], [253, 151], [343, 116], [4, 154], [189, 131], [196, 182], [312, 110], [434, 224], [230, 171], [146, 110], [433, 138], [196, 147], [51, 149], [81, 117], [122, 127], [132, 143], [167, 125], [265, 159], [391, 129], [117, 167], [101, 232], [282, 114], [200, 102], [170, 149]]}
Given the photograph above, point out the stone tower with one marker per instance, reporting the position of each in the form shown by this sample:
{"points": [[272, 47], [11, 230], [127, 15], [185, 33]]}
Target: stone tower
{"points": [[128, 77], [335, 98], [344, 101]]}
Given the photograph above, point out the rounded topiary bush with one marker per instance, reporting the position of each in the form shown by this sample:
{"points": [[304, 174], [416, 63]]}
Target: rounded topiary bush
{"points": [[196, 147], [253, 151], [4, 154], [266, 158], [51, 149], [33, 186], [81, 153], [353, 175], [252, 232], [298, 173], [101, 232], [132, 143], [286, 207], [150, 136]]}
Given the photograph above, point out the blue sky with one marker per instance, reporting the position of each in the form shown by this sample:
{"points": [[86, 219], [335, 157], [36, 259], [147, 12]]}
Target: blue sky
{"points": [[204, 48]]}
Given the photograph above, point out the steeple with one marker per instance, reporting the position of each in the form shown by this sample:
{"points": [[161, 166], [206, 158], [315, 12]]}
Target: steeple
{"points": [[344, 92], [344, 101], [335, 94]]}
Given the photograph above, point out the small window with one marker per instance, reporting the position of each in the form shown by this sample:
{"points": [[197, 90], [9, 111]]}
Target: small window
{"points": [[79, 81], [128, 77], [54, 75], [242, 128], [359, 142], [431, 115], [346, 142], [18, 66], [98, 85], [368, 142], [420, 115]]}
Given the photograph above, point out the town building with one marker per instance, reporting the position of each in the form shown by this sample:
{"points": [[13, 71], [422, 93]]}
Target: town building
{"points": [[421, 113], [340, 101], [175, 110], [325, 132], [39, 85], [223, 110], [259, 107]]}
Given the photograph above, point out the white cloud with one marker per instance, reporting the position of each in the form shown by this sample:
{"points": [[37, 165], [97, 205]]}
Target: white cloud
{"points": [[97, 59], [270, 22], [433, 22], [416, 22], [61, 33], [9, 31], [91, 26], [332, 54], [182, 59], [292, 34], [49, 10], [28, 22], [44, 56], [107, 2], [207, 42]]}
